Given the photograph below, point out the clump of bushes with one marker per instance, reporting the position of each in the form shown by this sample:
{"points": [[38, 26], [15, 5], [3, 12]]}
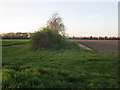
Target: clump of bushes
{"points": [[52, 36], [45, 39]]}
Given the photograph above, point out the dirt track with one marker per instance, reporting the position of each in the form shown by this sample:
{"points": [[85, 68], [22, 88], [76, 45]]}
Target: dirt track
{"points": [[107, 46]]}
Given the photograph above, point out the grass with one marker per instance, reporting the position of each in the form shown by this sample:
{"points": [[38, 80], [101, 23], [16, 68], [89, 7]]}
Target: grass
{"points": [[65, 68], [7, 42]]}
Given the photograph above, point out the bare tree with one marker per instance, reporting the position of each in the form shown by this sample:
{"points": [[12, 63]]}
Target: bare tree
{"points": [[55, 23]]}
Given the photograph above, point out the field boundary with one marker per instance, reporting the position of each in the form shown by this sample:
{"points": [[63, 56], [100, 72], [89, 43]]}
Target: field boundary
{"points": [[84, 46], [13, 44]]}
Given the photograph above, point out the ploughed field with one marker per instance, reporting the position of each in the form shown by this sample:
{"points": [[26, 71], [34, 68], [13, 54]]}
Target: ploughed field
{"points": [[107, 46]]}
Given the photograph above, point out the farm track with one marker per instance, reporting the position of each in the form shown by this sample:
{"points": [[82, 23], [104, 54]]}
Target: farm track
{"points": [[13, 44], [106, 46]]}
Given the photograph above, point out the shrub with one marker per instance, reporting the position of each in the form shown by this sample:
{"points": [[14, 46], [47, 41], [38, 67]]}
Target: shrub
{"points": [[46, 38]]}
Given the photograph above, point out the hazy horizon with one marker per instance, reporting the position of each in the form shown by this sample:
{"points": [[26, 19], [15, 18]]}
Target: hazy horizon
{"points": [[80, 18]]}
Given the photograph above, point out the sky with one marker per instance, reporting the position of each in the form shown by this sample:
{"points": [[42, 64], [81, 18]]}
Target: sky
{"points": [[80, 18]]}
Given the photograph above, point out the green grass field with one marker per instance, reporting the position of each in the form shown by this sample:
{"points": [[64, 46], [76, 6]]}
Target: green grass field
{"points": [[14, 41], [65, 68]]}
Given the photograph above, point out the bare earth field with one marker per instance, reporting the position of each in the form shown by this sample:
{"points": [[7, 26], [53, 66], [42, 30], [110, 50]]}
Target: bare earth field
{"points": [[107, 46]]}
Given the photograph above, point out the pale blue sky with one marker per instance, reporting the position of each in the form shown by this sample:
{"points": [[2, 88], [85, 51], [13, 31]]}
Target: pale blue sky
{"points": [[80, 18]]}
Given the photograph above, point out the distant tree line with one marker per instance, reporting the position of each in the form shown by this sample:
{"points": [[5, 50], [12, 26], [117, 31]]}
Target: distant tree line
{"points": [[95, 38], [26, 35], [17, 35]]}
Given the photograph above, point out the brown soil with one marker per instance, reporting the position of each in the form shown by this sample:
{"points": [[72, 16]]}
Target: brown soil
{"points": [[107, 46]]}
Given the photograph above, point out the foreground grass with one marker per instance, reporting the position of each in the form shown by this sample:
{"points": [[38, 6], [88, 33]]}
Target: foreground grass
{"points": [[65, 68]]}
